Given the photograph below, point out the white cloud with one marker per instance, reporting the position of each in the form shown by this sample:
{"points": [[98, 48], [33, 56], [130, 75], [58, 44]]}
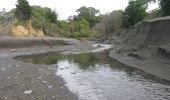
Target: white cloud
{"points": [[66, 8]]}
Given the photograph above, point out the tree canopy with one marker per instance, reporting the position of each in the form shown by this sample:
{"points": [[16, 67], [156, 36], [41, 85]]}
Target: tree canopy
{"points": [[23, 10], [89, 14], [165, 7], [134, 13]]}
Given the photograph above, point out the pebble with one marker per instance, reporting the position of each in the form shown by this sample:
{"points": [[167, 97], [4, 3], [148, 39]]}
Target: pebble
{"points": [[39, 69], [44, 82], [3, 69], [13, 50], [39, 77], [27, 92], [50, 87]]}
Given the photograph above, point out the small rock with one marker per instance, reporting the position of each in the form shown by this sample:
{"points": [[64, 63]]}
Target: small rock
{"points": [[44, 82], [27, 92], [39, 77], [39, 69], [16, 77], [50, 87], [13, 50], [3, 69]]}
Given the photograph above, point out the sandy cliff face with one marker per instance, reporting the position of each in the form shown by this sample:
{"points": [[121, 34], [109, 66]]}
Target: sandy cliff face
{"points": [[25, 31]]}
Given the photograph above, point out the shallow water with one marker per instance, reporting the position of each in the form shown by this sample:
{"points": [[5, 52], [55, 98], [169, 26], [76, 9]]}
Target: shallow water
{"points": [[95, 76]]}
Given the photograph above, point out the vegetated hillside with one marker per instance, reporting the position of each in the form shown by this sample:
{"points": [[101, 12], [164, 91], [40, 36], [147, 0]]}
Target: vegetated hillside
{"points": [[44, 22], [10, 26], [38, 25], [145, 38]]}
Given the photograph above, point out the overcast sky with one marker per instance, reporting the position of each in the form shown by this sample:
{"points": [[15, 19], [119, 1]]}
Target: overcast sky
{"points": [[66, 8]]}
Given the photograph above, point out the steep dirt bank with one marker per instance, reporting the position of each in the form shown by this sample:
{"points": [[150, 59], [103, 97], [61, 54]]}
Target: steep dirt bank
{"points": [[147, 43], [25, 31], [9, 26]]}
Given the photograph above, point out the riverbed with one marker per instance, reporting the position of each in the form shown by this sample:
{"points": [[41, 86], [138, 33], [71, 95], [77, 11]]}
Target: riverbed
{"points": [[93, 75]]}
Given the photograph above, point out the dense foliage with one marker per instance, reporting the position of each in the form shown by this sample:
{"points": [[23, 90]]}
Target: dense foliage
{"points": [[23, 10], [165, 7], [89, 14], [134, 13]]}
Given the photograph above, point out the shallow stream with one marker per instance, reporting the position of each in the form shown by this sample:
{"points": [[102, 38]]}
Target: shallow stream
{"points": [[95, 76]]}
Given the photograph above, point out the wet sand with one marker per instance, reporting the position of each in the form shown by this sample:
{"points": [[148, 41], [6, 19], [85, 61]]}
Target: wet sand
{"points": [[150, 65]]}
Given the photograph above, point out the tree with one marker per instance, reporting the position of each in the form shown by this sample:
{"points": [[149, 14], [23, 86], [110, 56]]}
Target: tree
{"points": [[110, 22], [44, 14], [23, 10], [134, 13], [89, 14], [165, 7], [52, 16], [146, 2]]}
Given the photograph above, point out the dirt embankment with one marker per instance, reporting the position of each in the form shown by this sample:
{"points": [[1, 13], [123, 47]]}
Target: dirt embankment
{"points": [[26, 31], [147, 42], [151, 35]]}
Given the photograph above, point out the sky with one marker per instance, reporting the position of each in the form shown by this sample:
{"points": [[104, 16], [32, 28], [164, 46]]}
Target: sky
{"points": [[66, 8]]}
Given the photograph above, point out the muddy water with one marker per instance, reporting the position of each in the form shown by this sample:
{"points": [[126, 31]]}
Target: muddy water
{"points": [[95, 76]]}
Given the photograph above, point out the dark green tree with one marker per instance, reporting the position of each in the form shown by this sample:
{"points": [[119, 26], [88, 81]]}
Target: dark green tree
{"points": [[134, 13], [23, 10], [52, 16], [165, 7]]}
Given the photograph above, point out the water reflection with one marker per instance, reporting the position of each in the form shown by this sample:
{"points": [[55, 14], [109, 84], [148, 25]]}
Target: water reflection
{"points": [[95, 76], [85, 60]]}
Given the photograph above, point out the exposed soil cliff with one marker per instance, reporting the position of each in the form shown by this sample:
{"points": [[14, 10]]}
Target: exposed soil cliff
{"points": [[25, 31], [144, 39], [8, 27]]}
